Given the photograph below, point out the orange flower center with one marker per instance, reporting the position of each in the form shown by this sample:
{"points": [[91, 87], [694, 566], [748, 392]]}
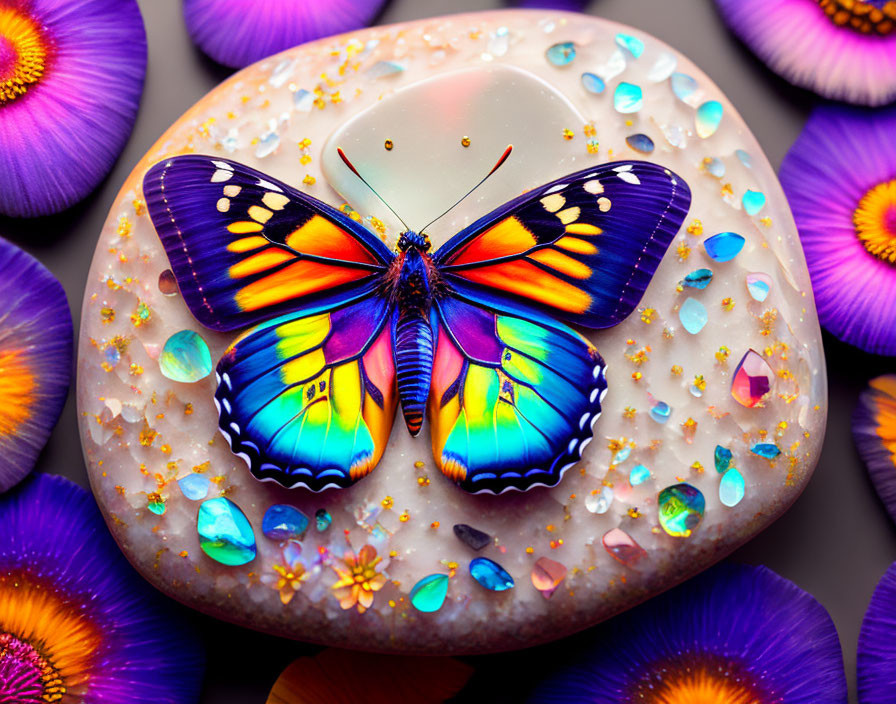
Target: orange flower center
{"points": [[867, 17], [700, 679], [875, 221], [17, 385], [23, 54]]}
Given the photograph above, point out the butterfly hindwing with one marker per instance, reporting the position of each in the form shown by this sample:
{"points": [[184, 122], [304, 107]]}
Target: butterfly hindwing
{"points": [[512, 401], [309, 400], [245, 247], [582, 248]]}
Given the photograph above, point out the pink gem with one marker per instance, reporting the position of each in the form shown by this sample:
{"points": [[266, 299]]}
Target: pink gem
{"points": [[752, 380], [547, 575], [623, 547]]}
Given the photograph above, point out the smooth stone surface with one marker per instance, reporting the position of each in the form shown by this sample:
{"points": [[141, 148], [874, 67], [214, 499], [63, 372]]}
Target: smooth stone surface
{"points": [[142, 432]]}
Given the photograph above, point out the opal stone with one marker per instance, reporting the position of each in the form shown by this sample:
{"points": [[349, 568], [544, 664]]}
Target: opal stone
{"points": [[225, 534], [628, 98], [490, 574], [283, 522], [429, 593], [185, 357], [708, 118], [732, 487], [443, 93]]}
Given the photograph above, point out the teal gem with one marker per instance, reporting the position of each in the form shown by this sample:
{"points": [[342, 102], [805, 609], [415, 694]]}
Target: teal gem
{"points": [[683, 86], [593, 83], [715, 166], [692, 315], [640, 143], [708, 118], [745, 158], [225, 534], [723, 457], [185, 357], [322, 519], [753, 202], [628, 98], [283, 522], [622, 455], [561, 54], [680, 509], [724, 246], [194, 486], [490, 574], [638, 475], [157, 507], [429, 593], [632, 45], [698, 279], [759, 285], [661, 412], [732, 488], [766, 449]]}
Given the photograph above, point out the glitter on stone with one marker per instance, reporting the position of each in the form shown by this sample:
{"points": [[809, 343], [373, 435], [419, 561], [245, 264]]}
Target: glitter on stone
{"points": [[267, 145], [628, 98], [753, 201], [692, 315], [698, 279], [547, 574], [683, 86], [303, 100], [632, 45], [185, 357], [225, 534], [194, 486], [715, 166], [638, 475], [752, 380], [732, 488], [663, 67], [660, 412], [708, 118], [767, 450], [723, 457], [490, 574], [724, 246], [622, 547], [680, 509], [561, 54], [284, 522], [472, 537], [599, 501], [429, 593], [640, 143], [593, 83], [322, 519], [758, 286]]}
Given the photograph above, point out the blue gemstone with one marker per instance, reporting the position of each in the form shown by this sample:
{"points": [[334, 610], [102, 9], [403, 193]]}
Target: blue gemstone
{"points": [[429, 593], [723, 457], [708, 118], [638, 475], [692, 315], [724, 246], [225, 534], [745, 158], [753, 202], [561, 54], [661, 412], [322, 519], [715, 166], [622, 455], [633, 45], [698, 279], [593, 83], [682, 85], [628, 98], [732, 488], [194, 486], [490, 574], [283, 522], [766, 449], [640, 143]]}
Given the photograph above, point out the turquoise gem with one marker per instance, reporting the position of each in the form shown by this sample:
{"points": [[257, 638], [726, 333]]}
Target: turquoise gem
{"points": [[322, 519], [640, 143], [724, 246], [766, 449], [283, 522], [638, 475], [698, 279], [708, 118], [723, 457], [628, 98], [561, 54], [632, 45], [732, 488], [622, 455], [185, 357], [225, 534], [593, 83], [490, 574], [661, 412], [745, 158], [157, 507], [683, 85], [194, 486], [680, 509], [692, 315], [753, 202], [429, 593], [715, 166], [759, 286]]}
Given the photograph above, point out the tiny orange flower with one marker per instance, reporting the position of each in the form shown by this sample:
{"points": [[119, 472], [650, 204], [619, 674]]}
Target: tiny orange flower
{"points": [[290, 581], [358, 579]]}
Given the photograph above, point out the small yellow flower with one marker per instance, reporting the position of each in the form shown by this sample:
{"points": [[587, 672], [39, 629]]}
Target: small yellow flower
{"points": [[358, 579], [290, 581]]}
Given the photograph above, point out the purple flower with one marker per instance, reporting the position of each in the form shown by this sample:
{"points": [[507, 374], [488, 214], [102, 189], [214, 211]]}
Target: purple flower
{"points": [[842, 49], [840, 180], [240, 32], [874, 432], [734, 634], [71, 76], [75, 619], [876, 655], [35, 359]]}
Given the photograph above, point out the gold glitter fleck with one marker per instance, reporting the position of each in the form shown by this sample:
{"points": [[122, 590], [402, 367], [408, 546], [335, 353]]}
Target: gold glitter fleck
{"points": [[387, 503], [389, 145], [695, 228], [309, 180], [465, 141], [568, 134], [676, 369]]}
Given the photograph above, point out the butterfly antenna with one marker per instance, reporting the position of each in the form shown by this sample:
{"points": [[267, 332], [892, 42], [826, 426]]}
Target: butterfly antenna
{"points": [[372, 189], [485, 178]]}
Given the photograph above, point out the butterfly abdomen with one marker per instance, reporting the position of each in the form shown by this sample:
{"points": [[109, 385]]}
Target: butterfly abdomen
{"points": [[413, 365]]}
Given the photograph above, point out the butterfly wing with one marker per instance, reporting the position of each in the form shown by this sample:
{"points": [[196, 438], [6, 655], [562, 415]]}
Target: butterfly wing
{"points": [[309, 400], [512, 400], [582, 248], [245, 247]]}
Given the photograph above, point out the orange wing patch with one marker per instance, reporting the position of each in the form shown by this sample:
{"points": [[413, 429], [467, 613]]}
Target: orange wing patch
{"points": [[507, 238], [320, 237], [295, 281]]}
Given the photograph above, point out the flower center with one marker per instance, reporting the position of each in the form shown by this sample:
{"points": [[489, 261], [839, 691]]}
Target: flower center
{"points": [[26, 677], [865, 16], [875, 221], [23, 54], [697, 679]]}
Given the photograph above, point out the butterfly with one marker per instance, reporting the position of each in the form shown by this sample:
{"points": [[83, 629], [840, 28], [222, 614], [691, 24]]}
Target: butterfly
{"points": [[340, 329]]}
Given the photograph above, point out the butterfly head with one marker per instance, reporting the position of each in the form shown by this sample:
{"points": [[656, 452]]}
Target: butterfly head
{"points": [[413, 240]]}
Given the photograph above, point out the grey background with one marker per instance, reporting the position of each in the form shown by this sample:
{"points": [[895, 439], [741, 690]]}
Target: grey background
{"points": [[835, 542]]}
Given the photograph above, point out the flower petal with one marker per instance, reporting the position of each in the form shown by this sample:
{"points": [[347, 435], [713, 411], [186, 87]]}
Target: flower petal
{"points": [[874, 432], [876, 656]]}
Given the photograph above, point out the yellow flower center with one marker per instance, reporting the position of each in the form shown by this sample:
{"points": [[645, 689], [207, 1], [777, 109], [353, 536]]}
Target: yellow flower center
{"points": [[17, 387], [875, 221], [867, 17], [23, 54], [698, 679]]}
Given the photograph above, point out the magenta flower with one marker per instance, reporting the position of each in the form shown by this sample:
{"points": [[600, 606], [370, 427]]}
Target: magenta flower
{"points": [[841, 49], [240, 32], [71, 76], [840, 180]]}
